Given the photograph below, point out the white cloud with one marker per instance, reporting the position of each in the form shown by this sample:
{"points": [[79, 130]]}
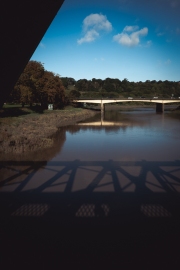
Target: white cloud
{"points": [[131, 28], [93, 26], [132, 39], [90, 36], [98, 22]]}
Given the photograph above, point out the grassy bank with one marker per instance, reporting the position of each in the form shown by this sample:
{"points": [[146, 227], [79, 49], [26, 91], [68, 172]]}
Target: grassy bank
{"points": [[29, 129], [26, 129]]}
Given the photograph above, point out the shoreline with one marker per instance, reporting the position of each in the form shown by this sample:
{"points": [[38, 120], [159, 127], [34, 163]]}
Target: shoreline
{"points": [[33, 132]]}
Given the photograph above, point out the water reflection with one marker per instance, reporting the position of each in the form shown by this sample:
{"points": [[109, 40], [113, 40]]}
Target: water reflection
{"points": [[41, 154], [112, 118], [121, 136]]}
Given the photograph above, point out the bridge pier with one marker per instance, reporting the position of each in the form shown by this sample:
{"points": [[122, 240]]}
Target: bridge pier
{"points": [[102, 107], [159, 107], [102, 110]]}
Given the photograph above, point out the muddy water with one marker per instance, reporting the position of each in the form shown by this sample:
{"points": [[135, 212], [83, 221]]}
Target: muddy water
{"points": [[129, 151]]}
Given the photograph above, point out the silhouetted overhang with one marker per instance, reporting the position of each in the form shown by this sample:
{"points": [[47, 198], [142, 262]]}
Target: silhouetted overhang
{"points": [[23, 23]]}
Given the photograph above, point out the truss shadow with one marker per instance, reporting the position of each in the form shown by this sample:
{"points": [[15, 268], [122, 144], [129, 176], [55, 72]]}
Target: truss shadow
{"points": [[92, 205]]}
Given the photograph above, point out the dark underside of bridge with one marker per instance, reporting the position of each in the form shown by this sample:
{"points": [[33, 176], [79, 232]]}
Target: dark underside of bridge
{"points": [[37, 231], [90, 229], [22, 26]]}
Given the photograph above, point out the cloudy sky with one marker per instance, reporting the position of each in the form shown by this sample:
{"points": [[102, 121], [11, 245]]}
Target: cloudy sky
{"points": [[134, 39]]}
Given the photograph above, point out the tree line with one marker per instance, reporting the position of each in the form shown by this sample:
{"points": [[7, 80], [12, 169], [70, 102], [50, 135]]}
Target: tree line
{"points": [[113, 88], [37, 85]]}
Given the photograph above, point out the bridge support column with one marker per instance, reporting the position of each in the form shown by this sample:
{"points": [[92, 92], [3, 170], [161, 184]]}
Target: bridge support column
{"points": [[102, 107], [102, 110], [159, 107]]}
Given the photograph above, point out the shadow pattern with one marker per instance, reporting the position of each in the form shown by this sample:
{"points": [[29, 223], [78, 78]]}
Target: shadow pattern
{"points": [[93, 207]]}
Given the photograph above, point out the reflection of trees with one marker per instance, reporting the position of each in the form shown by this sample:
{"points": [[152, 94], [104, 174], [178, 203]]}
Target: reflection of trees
{"points": [[73, 129], [44, 154], [121, 117], [58, 141], [37, 159]]}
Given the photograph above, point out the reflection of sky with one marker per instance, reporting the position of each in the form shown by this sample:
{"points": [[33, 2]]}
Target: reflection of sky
{"points": [[158, 140]]}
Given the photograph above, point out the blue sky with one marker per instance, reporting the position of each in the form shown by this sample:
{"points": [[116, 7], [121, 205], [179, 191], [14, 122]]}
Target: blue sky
{"points": [[134, 39]]}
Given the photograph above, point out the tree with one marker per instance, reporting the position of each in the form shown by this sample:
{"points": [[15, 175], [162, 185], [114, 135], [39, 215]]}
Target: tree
{"points": [[38, 85], [74, 94], [27, 85], [52, 90], [82, 85], [67, 81], [109, 87]]}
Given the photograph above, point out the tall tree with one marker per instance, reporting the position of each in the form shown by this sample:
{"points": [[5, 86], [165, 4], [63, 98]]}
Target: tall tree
{"points": [[52, 90], [27, 85]]}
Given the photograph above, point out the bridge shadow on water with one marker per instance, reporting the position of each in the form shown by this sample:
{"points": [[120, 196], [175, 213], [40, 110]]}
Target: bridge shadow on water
{"points": [[94, 214]]}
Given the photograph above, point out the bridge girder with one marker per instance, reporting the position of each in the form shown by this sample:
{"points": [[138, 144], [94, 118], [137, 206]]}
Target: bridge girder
{"points": [[104, 101]]}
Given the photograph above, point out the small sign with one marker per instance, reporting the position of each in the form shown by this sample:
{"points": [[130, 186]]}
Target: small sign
{"points": [[50, 106]]}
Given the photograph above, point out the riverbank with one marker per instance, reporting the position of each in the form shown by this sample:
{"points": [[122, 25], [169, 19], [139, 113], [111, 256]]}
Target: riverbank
{"points": [[32, 131], [23, 130]]}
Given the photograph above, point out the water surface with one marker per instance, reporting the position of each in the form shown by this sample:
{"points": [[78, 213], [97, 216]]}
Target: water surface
{"points": [[127, 151]]}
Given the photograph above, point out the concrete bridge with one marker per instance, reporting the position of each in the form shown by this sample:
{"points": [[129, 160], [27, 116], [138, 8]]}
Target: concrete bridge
{"points": [[159, 101]]}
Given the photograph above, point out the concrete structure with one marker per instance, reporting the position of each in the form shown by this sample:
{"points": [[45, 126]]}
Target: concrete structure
{"points": [[159, 102]]}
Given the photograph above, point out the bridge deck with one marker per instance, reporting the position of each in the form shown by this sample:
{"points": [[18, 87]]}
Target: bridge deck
{"points": [[103, 101]]}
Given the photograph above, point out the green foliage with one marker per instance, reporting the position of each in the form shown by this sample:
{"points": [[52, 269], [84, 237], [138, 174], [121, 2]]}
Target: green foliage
{"points": [[67, 82], [113, 95], [74, 94], [97, 88], [36, 85]]}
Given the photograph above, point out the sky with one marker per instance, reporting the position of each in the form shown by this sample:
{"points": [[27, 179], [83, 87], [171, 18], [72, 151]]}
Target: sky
{"points": [[134, 39]]}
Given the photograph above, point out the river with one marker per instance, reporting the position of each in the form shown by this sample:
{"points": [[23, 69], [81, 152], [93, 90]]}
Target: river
{"points": [[108, 188], [112, 154]]}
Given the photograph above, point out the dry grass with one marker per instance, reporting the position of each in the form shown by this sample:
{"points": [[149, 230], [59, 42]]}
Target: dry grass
{"points": [[35, 131]]}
